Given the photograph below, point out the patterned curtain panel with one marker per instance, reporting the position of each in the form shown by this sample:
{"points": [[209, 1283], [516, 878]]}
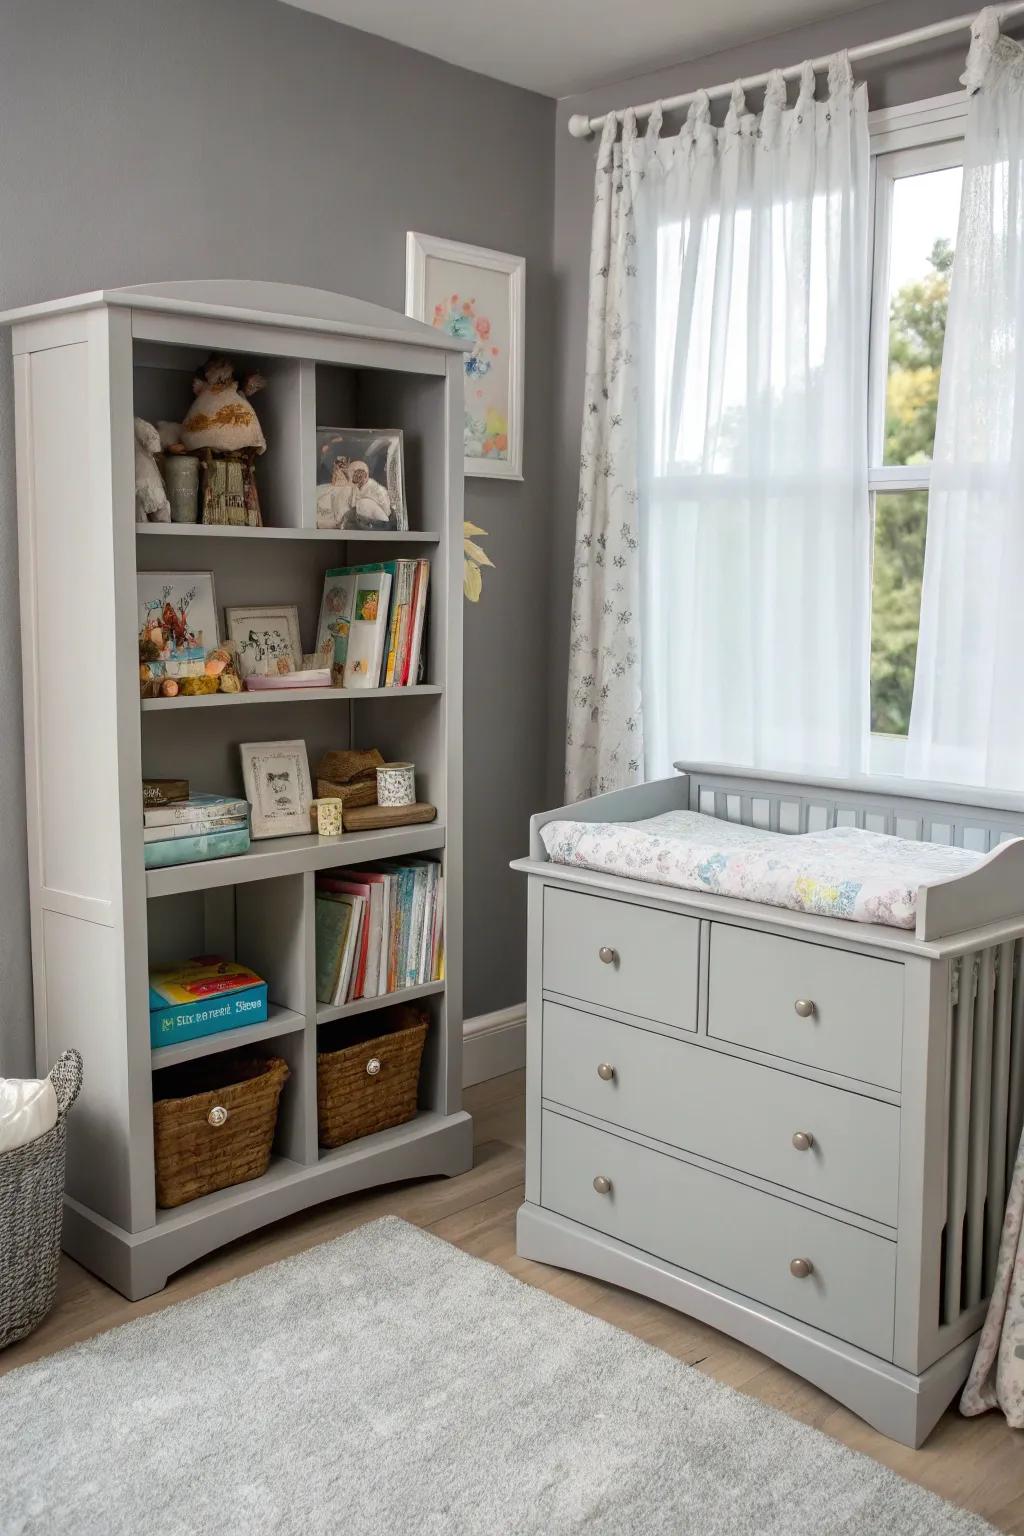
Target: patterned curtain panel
{"points": [[604, 737], [966, 724], [721, 607]]}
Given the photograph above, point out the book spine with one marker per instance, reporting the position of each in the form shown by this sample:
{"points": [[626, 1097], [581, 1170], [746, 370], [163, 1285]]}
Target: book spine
{"points": [[405, 634], [190, 1021], [419, 617], [191, 850], [188, 810], [198, 828], [393, 628]]}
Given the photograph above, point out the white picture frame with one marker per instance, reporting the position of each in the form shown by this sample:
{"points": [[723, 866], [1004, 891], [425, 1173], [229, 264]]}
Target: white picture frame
{"points": [[266, 638], [277, 787], [436, 276], [191, 596]]}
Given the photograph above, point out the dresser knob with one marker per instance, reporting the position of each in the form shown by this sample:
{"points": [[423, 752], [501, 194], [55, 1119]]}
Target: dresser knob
{"points": [[803, 1141], [801, 1268], [607, 956], [603, 1185], [217, 1116], [804, 1007], [373, 1066], [605, 1071]]}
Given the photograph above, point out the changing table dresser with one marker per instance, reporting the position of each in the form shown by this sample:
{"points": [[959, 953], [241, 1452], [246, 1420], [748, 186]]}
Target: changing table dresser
{"points": [[797, 1129]]}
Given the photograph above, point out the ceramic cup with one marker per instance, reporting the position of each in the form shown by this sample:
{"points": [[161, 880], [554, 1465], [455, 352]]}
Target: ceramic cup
{"points": [[396, 784], [181, 473], [328, 817]]}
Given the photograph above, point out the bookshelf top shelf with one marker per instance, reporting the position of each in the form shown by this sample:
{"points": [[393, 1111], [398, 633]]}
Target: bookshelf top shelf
{"points": [[316, 535], [290, 696], [269, 858]]}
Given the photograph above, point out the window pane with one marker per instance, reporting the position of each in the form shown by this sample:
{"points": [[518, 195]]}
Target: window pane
{"points": [[923, 233], [900, 521]]}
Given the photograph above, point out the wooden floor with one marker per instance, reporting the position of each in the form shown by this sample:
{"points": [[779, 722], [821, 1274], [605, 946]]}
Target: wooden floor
{"points": [[978, 1463]]}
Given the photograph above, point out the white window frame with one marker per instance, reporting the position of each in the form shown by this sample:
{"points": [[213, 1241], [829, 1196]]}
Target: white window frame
{"points": [[922, 136]]}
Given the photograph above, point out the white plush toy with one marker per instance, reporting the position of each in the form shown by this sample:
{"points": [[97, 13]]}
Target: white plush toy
{"points": [[151, 504]]}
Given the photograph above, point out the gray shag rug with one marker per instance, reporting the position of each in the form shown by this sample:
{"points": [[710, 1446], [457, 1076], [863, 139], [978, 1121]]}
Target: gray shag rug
{"points": [[387, 1383]]}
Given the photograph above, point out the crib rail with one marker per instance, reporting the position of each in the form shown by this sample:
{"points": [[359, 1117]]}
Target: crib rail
{"points": [[984, 1118]]}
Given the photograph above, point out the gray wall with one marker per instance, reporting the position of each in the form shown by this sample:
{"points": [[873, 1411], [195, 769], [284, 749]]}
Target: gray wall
{"points": [[900, 77], [145, 140]]}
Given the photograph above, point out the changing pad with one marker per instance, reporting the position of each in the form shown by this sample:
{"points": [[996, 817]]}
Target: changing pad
{"points": [[868, 877]]}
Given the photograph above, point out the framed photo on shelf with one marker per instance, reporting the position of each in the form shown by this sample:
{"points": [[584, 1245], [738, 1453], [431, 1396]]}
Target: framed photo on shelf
{"points": [[360, 479], [478, 296], [277, 786], [177, 617], [266, 638]]}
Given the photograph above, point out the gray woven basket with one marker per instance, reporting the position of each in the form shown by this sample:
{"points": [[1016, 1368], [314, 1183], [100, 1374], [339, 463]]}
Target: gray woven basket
{"points": [[31, 1213]]}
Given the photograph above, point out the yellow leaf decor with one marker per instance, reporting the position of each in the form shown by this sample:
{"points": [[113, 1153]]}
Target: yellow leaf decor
{"points": [[475, 557]]}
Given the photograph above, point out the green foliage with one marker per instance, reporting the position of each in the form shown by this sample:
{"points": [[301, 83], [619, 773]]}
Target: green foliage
{"points": [[917, 327]]}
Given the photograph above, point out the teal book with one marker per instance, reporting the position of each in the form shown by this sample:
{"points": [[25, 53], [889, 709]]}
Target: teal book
{"points": [[189, 850], [208, 1015]]}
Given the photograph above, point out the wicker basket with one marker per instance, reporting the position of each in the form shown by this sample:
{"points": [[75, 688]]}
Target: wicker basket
{"points": [[371, 1083], [213, 1125], [31, 1213]]}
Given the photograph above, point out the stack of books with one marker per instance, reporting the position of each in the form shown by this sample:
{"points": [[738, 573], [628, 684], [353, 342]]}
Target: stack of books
{"points": [[203, 996], [378, 929], [201, 827], [379, 626]]}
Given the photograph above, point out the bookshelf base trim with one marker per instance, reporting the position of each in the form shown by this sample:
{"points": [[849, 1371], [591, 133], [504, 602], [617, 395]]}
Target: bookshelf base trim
{"points": [[138, 1264]]}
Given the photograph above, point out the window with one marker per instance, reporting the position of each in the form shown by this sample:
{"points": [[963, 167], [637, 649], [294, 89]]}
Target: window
{"points": [[918, 155]]}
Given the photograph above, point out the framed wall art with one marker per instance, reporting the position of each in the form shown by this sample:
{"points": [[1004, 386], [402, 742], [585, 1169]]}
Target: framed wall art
{"points": [[266, 638], [478, 296], [277, 786]]}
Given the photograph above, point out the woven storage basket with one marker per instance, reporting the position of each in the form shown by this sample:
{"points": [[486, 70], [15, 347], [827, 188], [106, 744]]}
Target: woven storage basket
{"points": [[214, 1124], [370, 1084], [31, 1214]]}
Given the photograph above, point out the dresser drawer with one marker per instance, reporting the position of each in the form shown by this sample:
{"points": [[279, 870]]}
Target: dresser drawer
{"points": [[722, 1107], [823, 1007], [638, 960], [723, 1231]]}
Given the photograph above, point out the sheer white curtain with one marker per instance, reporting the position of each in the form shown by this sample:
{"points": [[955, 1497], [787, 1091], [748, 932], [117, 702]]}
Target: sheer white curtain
{"points": [[754, 528], [967, 720]]}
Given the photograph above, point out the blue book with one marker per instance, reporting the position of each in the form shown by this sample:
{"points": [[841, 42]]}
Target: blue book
{"points": [[207, 1016], [188, 850]]}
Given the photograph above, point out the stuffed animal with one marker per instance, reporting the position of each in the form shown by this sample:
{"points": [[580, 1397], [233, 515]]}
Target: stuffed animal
{"points": [[151, 504], [220, 417]]}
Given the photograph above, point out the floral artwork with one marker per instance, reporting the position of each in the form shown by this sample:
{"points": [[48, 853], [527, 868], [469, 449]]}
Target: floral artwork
{"points": [[476, 297], [267, 640], [474, 557], [177, 615]]}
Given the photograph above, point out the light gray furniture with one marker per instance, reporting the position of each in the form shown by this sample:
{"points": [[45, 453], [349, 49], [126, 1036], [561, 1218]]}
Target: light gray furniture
{"points": [[83, 367], [798, 1129]]}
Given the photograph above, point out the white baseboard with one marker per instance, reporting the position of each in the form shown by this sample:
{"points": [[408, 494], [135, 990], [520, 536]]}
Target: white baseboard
{"points": [[493, 1043]]}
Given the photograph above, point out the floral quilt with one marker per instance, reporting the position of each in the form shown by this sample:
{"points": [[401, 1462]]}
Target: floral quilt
{"points": [[868, 877]]}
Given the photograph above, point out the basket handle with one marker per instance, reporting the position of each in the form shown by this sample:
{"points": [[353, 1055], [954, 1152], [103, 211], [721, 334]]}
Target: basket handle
{"points": [[66, 1077]]}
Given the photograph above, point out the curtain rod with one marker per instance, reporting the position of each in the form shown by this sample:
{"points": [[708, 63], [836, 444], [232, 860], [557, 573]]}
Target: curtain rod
{"points": [[581, 126]]}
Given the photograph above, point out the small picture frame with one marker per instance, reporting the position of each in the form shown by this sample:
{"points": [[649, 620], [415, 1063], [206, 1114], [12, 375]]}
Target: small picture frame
{"points": [[178, 615], [266, 638], [277, 786], [360, 479]]}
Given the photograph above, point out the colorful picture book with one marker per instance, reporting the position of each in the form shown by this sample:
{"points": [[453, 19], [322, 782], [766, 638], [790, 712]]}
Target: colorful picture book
{"points": [[372, 620], [201, 827], [378, 930], [203, 996]]}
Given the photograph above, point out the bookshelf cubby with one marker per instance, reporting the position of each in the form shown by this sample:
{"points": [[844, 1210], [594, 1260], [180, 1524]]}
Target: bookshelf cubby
{"points": [[83, 368]]}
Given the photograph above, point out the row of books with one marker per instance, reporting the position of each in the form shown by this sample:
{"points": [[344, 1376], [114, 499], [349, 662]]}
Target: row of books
{"points": [[378, 623], [378, 929], [198, 827]]}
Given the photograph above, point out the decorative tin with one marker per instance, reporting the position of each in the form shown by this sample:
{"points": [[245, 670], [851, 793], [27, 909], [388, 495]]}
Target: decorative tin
{"points": [[396, 784]]}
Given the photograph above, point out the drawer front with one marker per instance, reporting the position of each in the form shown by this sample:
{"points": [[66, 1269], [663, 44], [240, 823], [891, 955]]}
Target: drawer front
{"points": [[823, 1007], [639, 960], [724, 1231], [722, 1107]]}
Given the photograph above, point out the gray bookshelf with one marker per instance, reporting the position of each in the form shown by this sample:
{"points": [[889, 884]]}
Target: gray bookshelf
{"points": [[84, 367]]}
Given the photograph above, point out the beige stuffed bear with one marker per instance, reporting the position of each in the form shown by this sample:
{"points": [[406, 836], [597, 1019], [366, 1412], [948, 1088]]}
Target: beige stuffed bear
{"points": [[220, 417], [151, 503]]}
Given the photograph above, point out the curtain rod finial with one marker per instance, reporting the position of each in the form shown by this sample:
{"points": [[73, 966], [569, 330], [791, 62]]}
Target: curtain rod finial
{"points": [[579, 126]]}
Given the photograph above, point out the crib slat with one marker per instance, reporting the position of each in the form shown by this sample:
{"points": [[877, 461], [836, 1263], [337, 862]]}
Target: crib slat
{"points": [[1000, 1105], [959, 1130], [1015, 1112], [981, 1102]]}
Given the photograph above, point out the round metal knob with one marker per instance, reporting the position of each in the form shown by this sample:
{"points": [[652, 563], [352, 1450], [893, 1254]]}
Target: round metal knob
{"points": [[804, 1007], [607, 956], [605, 1071], [803, 1141], [801, 1268], [373, 1066], [603, 1185], [217, 1116]]}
